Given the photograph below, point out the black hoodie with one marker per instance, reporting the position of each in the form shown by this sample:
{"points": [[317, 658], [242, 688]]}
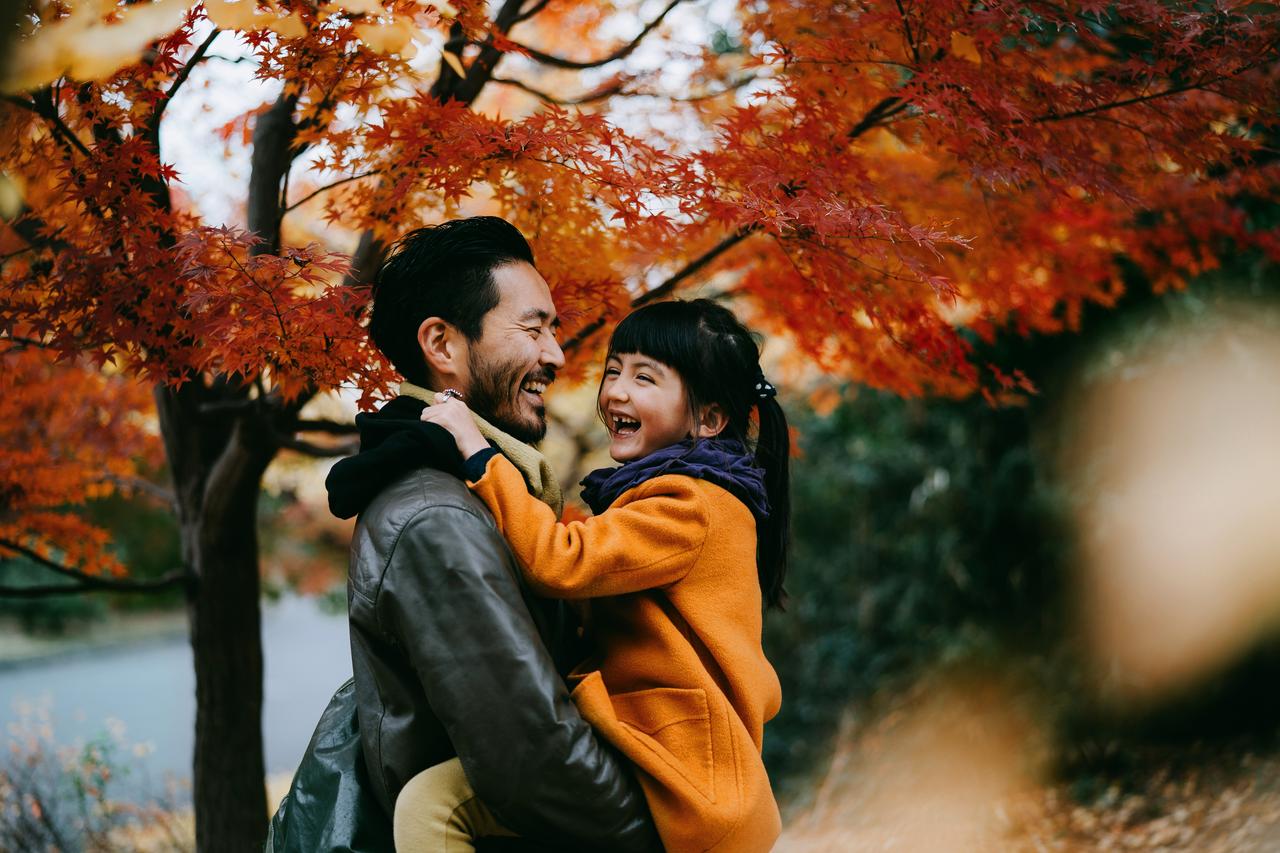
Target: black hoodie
{"points": [[392, 441]]}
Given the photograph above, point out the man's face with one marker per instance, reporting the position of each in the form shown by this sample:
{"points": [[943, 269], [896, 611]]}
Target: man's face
{"points": [[516, 356]]}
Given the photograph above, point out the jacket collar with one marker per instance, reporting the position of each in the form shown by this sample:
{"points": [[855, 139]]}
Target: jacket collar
{"points": [[537, 472], [393, 441]]}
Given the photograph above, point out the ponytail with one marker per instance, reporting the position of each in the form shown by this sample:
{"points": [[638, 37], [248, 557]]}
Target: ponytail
{"points": [[773, 454]]}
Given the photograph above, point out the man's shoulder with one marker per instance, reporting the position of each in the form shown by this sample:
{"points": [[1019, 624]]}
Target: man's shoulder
{"points": [[421, 503], [419, 494]]}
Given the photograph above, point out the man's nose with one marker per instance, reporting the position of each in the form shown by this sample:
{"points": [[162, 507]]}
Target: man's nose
{"points": [[552, 355]]}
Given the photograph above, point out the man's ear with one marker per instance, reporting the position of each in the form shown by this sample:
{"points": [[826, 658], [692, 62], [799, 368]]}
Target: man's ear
{"points": [[441, 345], [711, 421]]}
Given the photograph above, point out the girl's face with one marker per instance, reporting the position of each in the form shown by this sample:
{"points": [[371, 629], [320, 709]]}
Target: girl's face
{"points": [[645, 406]]}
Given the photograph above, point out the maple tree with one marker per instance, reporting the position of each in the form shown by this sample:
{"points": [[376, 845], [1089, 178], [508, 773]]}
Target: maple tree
{"points": [[882, 181]]}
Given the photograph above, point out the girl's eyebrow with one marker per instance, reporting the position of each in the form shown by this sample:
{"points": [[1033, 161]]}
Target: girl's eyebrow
{"points": [[651, 365], [643, 363]]}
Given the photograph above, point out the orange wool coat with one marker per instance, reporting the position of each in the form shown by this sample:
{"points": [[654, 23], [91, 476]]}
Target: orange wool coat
{"points": [[680, 684]]}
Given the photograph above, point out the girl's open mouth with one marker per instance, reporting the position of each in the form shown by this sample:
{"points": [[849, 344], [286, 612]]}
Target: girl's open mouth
{"points": [[623, 426]]}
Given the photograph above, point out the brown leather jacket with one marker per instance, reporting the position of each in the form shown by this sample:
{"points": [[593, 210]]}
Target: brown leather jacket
{"points": [[450, 652]]}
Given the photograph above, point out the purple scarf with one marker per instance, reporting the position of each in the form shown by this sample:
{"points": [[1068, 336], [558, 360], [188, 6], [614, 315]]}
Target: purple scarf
{"points": [[724, 462]]}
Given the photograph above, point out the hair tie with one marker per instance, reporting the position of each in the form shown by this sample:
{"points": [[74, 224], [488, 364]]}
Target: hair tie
{"points": [[763, 389]]}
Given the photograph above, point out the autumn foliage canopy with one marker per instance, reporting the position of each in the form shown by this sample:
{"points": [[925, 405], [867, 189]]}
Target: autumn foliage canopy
{"points": [[883, 182]]}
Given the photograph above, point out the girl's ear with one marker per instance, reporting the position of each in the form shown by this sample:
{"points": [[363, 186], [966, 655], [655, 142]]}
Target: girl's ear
{"points": [[711, 421]]}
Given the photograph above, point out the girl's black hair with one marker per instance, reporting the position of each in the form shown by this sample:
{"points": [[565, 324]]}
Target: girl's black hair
{"points": [[719, 362]]}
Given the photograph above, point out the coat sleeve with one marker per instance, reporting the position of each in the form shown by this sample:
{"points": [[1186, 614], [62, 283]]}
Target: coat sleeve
{"points": [[647, 543], [451, 596]]}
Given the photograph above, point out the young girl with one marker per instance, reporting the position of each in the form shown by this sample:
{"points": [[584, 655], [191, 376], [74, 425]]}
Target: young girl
{"points": [[686, 548]]}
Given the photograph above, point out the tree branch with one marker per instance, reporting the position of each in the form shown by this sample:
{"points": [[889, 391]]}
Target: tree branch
{"points": [[29, 226], [619, 89], [232, 406], [182, 78], [146, 487], [668, 285], [49, 112], [228, 59], [7, 255], [1138, 99], [695, 266], [26, 343], [600, 95], [306, 198], [731, 86], [887, 108], [906, 27], [328, 427], [530, 12], [273, 137], [306, 448], [87, 582], [46, 590], [621, 53], [448, 86]]}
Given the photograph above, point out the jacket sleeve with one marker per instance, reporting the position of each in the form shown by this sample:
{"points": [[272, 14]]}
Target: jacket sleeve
{"points": [[650, 542], [451, 595]]}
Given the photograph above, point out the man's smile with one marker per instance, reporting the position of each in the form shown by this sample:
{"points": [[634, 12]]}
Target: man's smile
{"points": [[535, 386]]}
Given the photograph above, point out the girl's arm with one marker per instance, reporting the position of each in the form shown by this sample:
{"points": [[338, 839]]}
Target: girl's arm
{"points": [[647, 543]]}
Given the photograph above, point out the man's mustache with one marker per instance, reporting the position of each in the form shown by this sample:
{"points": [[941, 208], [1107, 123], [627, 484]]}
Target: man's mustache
{"points": [[545, 376]]}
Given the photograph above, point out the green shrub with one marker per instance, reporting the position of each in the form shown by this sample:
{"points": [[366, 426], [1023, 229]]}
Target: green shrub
{"points": [[920, 534]]}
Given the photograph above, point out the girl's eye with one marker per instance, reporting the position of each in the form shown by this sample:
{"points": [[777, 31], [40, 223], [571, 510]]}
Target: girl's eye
{"points": [[611, 371], [644, 377]]}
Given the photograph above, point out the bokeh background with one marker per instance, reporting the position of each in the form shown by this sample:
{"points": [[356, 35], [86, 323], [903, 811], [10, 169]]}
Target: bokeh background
{"points": [[1016, 270]]}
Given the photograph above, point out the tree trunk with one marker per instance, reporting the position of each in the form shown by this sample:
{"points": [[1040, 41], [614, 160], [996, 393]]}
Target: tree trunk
{"points": [[217, 462]]}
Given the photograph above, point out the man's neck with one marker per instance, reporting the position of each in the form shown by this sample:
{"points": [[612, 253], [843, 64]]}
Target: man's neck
{"points": [[537, 473]]}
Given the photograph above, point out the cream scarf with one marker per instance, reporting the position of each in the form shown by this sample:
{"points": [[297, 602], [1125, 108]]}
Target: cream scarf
{"points": [[532, 464]]}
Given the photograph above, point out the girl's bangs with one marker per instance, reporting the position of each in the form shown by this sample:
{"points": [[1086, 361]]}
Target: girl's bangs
{"points": [[661, 332]]}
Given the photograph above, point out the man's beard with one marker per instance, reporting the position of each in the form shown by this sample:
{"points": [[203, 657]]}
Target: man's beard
{"points": [[494, 396]]}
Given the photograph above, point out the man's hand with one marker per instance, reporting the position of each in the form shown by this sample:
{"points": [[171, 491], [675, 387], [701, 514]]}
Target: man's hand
{"points": [[452, 414]]}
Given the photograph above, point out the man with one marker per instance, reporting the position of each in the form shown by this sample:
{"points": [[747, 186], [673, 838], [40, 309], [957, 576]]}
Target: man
{"points": [[450, 654]]}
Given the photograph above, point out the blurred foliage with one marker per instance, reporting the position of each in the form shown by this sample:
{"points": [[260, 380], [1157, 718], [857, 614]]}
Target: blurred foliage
{"points": [[919, 534], [146, 535], [58, 797], [304, 549], [51, 614], [933, 531], [145, 538]]}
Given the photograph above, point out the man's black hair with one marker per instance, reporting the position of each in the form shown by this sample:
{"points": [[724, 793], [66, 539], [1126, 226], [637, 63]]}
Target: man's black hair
{"points": [[443, 271]]}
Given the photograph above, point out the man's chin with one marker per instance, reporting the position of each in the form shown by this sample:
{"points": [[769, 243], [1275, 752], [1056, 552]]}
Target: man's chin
{"points": [[530, 429]]}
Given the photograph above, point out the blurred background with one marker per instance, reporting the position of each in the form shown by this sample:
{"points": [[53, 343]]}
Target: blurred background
{"points": [[981, 649], [1034, 378]]}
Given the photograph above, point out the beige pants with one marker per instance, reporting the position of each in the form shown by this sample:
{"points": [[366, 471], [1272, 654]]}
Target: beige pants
{"points": [[437, 812]]}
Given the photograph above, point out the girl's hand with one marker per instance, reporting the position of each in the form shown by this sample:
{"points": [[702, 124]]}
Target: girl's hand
{"points": [[452, 414]]}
